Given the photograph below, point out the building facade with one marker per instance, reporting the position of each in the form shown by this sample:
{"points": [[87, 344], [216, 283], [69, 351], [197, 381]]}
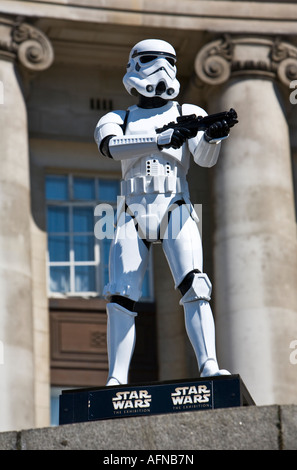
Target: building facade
{"points": [[61, 69]]}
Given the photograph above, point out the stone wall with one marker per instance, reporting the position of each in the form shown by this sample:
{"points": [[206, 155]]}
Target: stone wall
{"points": [[56, 57], [245, 428]]}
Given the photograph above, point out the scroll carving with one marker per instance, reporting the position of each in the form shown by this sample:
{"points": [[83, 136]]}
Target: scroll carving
{"points": [[284, 56], [232, 56], [26, 43], [213, 63]]}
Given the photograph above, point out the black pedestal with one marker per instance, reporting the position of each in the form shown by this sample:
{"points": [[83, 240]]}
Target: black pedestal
{"points": [[154, 398]]}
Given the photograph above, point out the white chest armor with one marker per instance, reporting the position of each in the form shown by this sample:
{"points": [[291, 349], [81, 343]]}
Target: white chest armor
{"points": [[168, 162], [145, 168]]}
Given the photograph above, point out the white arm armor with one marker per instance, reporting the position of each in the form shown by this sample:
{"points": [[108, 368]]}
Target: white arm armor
{"points": [[109, 125], [122, 146], [204, 153], [132, 146]]}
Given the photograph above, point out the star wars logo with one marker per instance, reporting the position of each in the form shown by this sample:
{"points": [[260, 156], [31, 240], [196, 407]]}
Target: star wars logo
{"points": [[191, 395], [135, 399]]}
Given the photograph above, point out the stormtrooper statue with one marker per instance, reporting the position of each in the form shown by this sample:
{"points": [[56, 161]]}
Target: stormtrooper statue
{"points": [[154, 189]]}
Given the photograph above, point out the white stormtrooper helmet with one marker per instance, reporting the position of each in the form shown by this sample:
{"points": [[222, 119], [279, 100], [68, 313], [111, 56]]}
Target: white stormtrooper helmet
{"points": [[151, 70]]}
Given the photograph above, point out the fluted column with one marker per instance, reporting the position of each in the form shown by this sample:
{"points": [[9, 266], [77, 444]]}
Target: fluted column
{"points": [[21, 45], [255, 228]]}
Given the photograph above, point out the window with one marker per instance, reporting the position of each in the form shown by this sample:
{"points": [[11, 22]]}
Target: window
{"points": [[78, 261]]}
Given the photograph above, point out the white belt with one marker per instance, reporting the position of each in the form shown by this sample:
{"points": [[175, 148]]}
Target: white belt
{"points": [[152, 184]]}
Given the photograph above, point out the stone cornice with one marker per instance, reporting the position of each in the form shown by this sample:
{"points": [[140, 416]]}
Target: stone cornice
{"points": [[211, 15], [23, 42], [230, 56]]}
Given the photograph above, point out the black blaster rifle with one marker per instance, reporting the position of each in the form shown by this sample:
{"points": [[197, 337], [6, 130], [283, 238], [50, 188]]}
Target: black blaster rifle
{"points": [[199, 123]]}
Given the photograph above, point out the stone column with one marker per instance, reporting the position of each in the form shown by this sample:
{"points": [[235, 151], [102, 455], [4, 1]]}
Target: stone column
{"points": [[171, 338], [255, 228], [21, 46]]}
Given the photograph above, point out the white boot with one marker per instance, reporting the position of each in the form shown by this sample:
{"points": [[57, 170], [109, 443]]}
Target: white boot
{"points": [[200, 326], [120, 342]]}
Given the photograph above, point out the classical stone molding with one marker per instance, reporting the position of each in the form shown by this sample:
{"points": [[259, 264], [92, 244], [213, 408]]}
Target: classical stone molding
{"points": [[25, 43], [213, 62], [231, 56]]}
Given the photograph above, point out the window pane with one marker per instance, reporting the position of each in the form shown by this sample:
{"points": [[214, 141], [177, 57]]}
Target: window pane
{"points": [[106, 242], [84, 188], [56, 187], [106, 248], [146, 286], [109, 190], [84, 248], [58, 248], [59, 279], [83, 219], [85, 279], [57, 219], [105, 276]]}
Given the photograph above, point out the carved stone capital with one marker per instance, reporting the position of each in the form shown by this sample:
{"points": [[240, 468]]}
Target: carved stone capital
{"points": [[230, 56], [25, 43]]}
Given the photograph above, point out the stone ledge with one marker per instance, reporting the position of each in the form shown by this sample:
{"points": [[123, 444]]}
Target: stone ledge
{"points": [[244, 428], [224, 16]]}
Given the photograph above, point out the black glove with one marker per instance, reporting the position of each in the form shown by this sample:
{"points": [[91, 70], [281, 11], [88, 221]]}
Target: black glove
{"points": [[217, 130], [178, 137]]}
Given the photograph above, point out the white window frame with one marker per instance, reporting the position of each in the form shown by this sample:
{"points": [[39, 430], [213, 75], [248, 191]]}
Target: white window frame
{"points": [[98, 247]]}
